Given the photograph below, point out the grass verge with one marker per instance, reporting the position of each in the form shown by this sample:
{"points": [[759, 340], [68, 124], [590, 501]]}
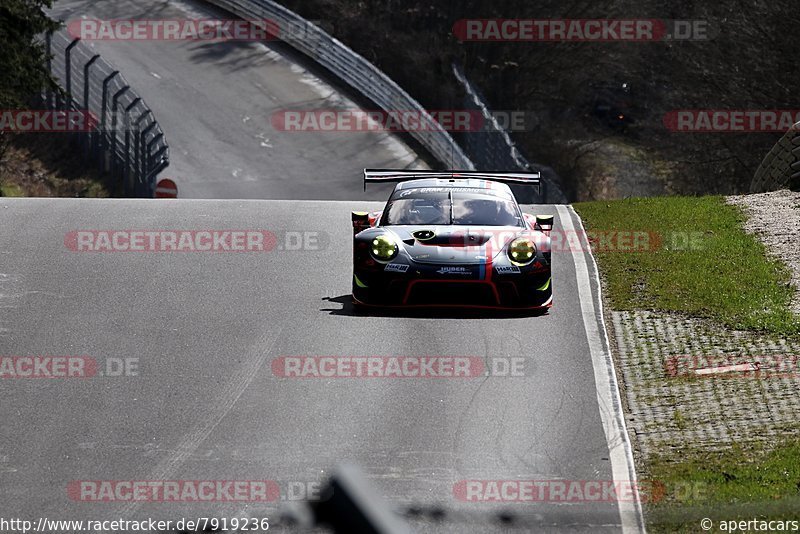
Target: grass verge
{"points": [[741, 484], [41, 165], [698, 261], [11, 190]]}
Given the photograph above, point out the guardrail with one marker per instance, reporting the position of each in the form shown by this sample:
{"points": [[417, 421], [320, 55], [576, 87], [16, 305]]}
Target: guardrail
{"points": [[351, 68], [781, 167], [128, 142]]}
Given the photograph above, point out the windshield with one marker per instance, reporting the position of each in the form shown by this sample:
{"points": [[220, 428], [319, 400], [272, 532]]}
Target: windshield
{"points": [[452, 208]]}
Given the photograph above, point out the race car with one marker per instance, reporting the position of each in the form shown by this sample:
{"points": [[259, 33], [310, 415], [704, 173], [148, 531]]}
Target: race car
{"points": [[456, 238]]}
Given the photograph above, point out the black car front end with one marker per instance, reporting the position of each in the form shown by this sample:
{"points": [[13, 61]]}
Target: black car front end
{"points": [[408, 266]]}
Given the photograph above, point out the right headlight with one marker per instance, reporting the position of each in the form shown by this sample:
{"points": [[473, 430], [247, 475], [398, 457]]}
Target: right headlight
{"points": [[383, 248], [521, 251]]}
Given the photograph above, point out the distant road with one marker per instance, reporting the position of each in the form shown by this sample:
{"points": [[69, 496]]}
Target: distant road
{"points": [[215, 101]]}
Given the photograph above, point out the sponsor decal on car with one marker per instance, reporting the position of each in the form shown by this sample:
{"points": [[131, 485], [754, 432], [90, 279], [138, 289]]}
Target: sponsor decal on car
{"points": [[396, 268], [507, 269], [453, 270]]}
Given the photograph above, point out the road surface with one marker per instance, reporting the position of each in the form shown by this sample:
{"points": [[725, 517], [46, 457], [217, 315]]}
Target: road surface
{"points": [[201, 400]]}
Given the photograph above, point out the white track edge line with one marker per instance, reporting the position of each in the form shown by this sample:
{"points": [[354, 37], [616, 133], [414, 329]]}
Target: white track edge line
{"points": [[619, 446]]}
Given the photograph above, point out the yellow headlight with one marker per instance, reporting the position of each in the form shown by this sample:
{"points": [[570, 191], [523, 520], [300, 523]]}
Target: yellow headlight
{"points": [[521, 251], [383, 248]]}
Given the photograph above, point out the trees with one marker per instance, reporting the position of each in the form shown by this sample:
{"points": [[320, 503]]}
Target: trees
{"points": [[22, 56]]}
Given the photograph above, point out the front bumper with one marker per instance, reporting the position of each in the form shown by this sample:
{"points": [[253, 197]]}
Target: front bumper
{"points": [[479, 285]]}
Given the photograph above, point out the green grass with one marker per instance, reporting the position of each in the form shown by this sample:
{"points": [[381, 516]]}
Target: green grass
{"points": [[739, 484], [706, 265], [11, 190]]}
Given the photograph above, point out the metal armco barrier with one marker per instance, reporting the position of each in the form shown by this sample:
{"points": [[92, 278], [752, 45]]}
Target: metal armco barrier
{"points": [[351, 68], [494, 149], [128, 142], [781, 167]]}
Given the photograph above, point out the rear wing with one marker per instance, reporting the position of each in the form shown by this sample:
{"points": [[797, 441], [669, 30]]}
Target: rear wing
{"points": [[381, 176]]}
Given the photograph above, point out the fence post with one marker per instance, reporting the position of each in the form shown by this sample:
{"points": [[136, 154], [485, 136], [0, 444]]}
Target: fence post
{"points": [[115, 160], [144, 147], [152, 143], [126, 171], [92, 136], [68, 65], [102, 141], [48, 39], [138, 164], [150, 181], [153, 159]]}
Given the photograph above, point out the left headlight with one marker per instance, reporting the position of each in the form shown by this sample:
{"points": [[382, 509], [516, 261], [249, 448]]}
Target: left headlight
{"points": [[521, 251], [383, 248]]}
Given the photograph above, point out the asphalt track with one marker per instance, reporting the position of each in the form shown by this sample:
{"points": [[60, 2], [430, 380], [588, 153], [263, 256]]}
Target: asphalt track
{"points": [[204, 404], [215, 102]]}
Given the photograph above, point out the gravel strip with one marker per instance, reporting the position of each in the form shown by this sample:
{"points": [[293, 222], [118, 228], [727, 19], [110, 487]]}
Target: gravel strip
{"points": [[775, 219]]}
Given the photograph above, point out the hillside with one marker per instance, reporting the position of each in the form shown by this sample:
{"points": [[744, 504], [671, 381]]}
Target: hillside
{"points": [[741, 60]]}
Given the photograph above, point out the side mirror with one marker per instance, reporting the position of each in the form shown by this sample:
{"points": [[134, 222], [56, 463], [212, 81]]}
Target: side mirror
{"points": [[360, 221], [545, 222]]}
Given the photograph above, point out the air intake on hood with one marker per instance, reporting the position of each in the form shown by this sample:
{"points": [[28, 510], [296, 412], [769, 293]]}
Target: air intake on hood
{"points": [[423, 235]]}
